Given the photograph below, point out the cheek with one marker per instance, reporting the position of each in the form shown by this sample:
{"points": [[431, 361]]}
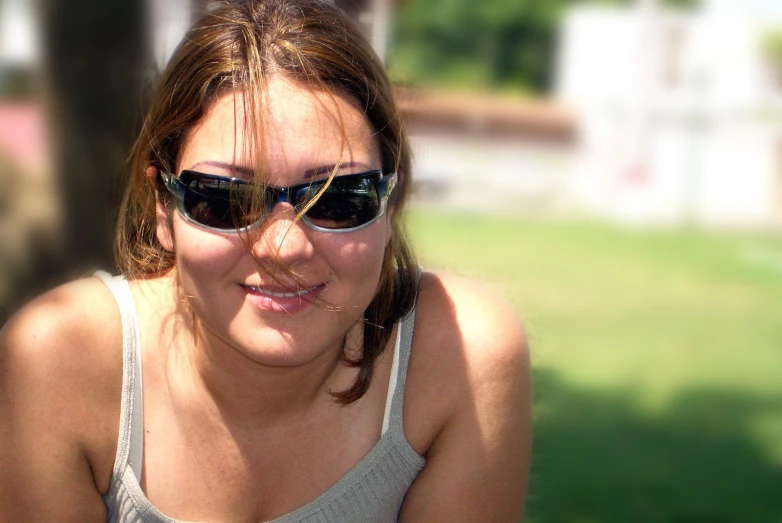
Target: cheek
{"points": [[202, 256], [357, 256]]}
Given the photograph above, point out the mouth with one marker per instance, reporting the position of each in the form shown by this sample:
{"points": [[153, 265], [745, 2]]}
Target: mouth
{"points": [[282, 294], [279, 299]]}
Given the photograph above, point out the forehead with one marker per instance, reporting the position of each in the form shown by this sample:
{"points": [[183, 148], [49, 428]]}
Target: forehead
{"points": [[297, 129]]}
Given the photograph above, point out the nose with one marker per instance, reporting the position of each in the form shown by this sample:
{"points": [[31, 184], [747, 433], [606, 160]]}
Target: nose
{"points": [[282, 237]]}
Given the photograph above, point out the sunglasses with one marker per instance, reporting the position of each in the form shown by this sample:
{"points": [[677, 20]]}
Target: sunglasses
{"points": [[223, 204]]}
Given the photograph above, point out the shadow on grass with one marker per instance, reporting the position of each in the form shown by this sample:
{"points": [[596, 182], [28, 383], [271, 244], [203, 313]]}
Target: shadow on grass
{"points": [[599, 458]]}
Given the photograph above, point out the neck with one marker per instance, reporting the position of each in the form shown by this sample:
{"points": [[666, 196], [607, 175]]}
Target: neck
{"points": [[249, 393], [246, 390]]}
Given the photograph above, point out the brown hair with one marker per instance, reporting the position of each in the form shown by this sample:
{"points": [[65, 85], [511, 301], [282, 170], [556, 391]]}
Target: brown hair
{"points": [[231, 49]]}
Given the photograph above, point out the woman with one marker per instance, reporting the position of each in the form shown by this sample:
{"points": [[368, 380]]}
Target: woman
{"points": [[271, 352]]}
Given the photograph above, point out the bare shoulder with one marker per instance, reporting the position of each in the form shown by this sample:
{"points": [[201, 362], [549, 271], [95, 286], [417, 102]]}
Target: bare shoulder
{"points": [[467, 404], [60, 388], [69, 331], [469, 347], [469, 321]]}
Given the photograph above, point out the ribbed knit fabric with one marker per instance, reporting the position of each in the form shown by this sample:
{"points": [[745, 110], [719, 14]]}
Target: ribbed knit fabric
{"points": [[371, 492]]}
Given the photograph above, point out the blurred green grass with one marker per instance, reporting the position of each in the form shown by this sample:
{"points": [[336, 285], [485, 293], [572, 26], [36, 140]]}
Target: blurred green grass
{"points": [[657, 360]]}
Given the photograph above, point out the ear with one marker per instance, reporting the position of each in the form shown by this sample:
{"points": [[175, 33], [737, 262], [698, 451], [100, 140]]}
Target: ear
{"points": [[163, 229]]}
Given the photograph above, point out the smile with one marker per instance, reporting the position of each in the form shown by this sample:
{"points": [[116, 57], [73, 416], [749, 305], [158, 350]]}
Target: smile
{"points": [[267, 292]]}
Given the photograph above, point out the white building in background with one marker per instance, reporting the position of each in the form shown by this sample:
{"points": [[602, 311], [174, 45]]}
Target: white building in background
{"points": [[169, 20], [482, 152], [19, 39], [680, 120]]}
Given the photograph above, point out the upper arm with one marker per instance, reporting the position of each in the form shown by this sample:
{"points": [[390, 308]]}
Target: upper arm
{"points": [[46, 417], [478, 463]]}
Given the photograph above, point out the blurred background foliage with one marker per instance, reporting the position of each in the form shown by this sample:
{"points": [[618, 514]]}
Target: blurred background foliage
{"points": [[507, 45], [772, 48]]}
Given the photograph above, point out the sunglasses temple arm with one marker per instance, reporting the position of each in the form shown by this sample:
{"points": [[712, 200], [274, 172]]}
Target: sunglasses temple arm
{"points": [[174, 185], [387, 185]]}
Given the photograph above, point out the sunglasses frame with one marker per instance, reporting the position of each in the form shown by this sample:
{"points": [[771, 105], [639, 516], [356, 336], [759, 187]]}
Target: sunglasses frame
{"points": [[384, 185]]}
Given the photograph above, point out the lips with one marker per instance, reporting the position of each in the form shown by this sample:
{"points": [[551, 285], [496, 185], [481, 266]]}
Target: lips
{"points": [[281, 299], [281, 294]]}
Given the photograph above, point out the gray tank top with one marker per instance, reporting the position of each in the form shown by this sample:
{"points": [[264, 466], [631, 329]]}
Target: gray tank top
{"points": [[371, 492]]}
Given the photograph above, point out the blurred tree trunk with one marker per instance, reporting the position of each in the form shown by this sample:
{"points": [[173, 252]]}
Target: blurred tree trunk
{"points": [[98, 67]]}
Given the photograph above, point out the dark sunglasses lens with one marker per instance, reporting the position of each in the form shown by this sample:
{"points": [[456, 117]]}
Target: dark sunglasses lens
{"points": [[345, 204], [220, 204]]}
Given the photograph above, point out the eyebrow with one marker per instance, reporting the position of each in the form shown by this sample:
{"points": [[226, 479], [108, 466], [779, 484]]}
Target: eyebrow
{"points": [[227, 166], [309, 173]]}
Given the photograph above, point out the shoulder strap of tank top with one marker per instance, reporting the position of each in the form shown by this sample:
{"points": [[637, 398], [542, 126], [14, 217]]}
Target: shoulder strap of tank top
{"points": [[130, 446], [392, 381], [396, 385]]}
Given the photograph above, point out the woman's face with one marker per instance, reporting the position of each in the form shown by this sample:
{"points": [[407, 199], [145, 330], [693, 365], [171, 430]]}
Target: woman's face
{"points": [[228, 282]]}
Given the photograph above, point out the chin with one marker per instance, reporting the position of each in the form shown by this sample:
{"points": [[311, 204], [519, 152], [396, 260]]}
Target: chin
{"points": [[277, 348]]}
